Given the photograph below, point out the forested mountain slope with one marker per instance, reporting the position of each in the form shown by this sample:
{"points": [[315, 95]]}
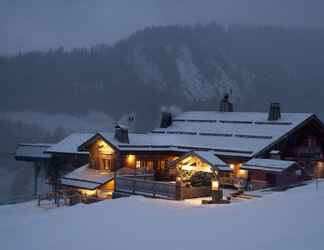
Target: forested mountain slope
{"points": [[190, 67]]}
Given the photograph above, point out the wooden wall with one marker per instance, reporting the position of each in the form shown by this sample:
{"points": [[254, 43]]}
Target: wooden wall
{"points": [[102, 156], [153, 162], [261, 179]]}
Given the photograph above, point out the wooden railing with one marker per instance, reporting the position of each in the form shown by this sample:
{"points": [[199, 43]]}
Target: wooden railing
{"points": [[69, 198], [137, 186], [52, 196], [226, 181]]}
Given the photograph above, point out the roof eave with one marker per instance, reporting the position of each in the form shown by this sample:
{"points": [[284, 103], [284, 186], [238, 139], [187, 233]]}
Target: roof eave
{"points": [[280, 139], [84, 146]]}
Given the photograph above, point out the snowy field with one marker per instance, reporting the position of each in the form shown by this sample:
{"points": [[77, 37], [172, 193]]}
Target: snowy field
{"points": [[288, 220]]}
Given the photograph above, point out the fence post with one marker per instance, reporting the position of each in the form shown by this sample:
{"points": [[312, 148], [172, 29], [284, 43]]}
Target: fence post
{"points": [[178, 192], [134, 186], [154, 189]]}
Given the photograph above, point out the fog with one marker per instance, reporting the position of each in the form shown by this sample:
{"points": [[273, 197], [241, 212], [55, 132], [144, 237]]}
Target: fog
{"points": [[44, 24], [91, 122]]}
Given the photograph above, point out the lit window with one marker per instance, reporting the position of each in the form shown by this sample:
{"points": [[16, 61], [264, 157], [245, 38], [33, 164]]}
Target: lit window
{"points": [[138, 164], [162, 165]]}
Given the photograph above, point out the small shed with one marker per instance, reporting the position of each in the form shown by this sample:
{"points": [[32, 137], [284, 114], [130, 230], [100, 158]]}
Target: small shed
{"points": [[270, 173]]}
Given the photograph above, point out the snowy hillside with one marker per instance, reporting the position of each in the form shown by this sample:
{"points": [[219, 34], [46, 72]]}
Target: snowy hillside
{"points": [[218, 76], [287, 220], [187, 66]]}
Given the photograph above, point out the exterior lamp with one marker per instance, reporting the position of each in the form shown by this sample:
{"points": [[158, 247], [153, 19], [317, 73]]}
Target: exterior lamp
{"points": [[215, 185], [216, 192], [131, 159], [178, 194]]}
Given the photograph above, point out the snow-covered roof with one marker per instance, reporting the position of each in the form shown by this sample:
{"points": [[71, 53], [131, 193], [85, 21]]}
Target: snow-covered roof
{"points": [[226, 133], [171, 142], [70, 144], [208, 157], [268, 165], [212, 159], [32, 151], [87, 178], [237, 132]]}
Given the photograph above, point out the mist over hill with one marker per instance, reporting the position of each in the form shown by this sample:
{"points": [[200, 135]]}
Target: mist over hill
{"points": [[190, 67]]}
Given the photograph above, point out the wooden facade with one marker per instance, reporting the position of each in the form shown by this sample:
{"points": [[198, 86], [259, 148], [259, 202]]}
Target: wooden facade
{"points": [[263, 179]]}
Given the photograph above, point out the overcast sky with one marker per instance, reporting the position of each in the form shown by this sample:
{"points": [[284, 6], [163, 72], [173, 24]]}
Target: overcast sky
{"points": [[42, 24]]}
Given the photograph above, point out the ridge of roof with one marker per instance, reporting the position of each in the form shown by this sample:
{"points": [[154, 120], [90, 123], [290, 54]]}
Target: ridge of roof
{"points": [[250, 146]]}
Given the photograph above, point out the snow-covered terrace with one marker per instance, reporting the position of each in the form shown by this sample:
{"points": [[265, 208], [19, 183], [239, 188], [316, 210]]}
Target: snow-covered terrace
{"points": [[87, 178]]}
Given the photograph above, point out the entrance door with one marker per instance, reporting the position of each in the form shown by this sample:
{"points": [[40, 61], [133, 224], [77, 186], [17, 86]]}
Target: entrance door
{"points": [[106, 162]]}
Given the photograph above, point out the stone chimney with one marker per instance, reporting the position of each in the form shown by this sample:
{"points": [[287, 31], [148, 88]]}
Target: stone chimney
{"points": [[225, 104], [166, 120], [274, 112], [121, 134]]}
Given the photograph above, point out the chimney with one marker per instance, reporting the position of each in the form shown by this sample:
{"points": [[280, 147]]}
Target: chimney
{"points": [[166, 120], [225, 104], [274, 112], [121, 133]]}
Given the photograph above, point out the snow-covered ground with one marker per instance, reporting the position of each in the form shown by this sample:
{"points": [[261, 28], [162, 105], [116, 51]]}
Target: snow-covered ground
{"points": [[287, 220]]}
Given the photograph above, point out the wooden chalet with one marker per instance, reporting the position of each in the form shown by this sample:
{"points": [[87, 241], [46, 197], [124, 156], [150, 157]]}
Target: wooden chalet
{"points": [[179, 159]]}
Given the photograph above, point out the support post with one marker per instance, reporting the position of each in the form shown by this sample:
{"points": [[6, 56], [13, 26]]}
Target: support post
{"points": [[178, 189], [154, 189], [115, 180], [36, 174]]}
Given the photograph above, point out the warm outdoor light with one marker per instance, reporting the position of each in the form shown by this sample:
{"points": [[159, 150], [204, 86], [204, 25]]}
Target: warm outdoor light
{"points": [[232, 166], [179, 179], [215, 185], [187, 167], [243, 173], [88, 192], [104, 148], [130, 159]]}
